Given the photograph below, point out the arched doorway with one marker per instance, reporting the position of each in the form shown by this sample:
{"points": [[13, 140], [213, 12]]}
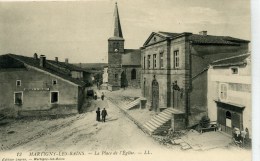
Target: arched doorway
{"points": [[155, 95], [123, 80]]}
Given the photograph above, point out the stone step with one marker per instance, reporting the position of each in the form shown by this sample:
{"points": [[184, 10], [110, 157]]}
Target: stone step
{"points": [[158, 120], [166, 114], [148, 129], [151, 125], [155, 122], [162, 118]]}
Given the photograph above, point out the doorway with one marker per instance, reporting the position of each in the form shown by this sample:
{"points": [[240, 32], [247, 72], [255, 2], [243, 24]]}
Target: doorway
{"points": [[155, 95]]}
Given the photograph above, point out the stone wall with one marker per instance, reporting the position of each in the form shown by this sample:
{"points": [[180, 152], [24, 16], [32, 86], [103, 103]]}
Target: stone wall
{"points": [[35, 99]]}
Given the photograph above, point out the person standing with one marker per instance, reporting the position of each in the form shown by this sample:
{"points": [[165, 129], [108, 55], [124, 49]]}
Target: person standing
{"points": [[98, 114], [102, 96], [104, 114]]}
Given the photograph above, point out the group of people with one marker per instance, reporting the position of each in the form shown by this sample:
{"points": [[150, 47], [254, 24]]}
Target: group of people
{"points": [[103, 114], [102, 96], [240, 137]]}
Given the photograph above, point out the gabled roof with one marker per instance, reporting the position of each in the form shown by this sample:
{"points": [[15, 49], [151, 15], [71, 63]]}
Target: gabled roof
{"points": [[232, 61], [59, 69], [131, 57], [199, 39]]}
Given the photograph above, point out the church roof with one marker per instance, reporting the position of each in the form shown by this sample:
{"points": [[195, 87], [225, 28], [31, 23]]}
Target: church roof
{"points": [[117, 25], [131, 57]]}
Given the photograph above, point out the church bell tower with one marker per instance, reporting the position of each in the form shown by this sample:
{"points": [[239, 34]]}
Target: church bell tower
{"points": [[115, 51]]}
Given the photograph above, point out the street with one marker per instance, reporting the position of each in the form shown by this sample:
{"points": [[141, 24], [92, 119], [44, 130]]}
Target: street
{"points": [[118, 132]]}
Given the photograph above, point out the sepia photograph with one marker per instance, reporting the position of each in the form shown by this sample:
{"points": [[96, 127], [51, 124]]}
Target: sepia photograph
{"points": [[126, 80]]}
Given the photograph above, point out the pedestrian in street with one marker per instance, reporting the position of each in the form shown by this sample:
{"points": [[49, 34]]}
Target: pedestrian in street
{"points": [[104, 114], [98, 114], [102, 96], [95, 96]]}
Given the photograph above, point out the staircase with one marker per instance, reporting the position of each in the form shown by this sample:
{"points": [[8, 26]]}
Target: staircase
{"points": [[160, 122], [133, 104]]}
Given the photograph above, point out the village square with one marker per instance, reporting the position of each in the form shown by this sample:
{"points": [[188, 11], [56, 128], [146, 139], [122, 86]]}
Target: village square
{"points": [[175, 92]]}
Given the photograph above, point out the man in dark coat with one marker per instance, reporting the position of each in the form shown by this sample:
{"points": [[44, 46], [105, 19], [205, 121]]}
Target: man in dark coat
{"points": [[104, 114], [98, 114]]}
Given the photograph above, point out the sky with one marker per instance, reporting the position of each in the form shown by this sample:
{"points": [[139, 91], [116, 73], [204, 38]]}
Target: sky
{"points": [[79, 30]]}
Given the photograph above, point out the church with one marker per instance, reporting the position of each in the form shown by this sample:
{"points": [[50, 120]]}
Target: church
{"points": [[124, 65]]}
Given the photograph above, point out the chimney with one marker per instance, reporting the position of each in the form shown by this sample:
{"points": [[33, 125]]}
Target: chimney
{"points": [[35, 56], [42, 61], [56, 59], [204, 33], [67, 61]]}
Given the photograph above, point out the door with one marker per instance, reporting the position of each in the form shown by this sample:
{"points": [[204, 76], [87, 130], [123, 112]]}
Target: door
{"points": [[228, 119], [155, 95], [144, 88], [123, 80]]}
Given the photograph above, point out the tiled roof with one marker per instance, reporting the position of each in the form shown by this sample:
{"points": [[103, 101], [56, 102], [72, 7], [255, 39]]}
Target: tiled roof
{"points": [[59, 69], [8, 62], [207, 39], [131, 57], [231, 61]]}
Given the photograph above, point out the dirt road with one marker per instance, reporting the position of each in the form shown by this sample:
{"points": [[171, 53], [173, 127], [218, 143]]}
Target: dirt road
{"points": [[88, 134]]}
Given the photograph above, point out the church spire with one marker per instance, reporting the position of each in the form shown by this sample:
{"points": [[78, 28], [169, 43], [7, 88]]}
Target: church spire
{"points": [[117, 27]]}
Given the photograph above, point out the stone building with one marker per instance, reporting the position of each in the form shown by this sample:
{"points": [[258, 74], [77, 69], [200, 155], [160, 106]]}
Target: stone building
{"points": [[229, 93], [124, 65], [32, 86], [174, 69]]}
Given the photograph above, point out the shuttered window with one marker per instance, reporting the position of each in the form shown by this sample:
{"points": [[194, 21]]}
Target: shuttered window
{"points": [[223, 92]]}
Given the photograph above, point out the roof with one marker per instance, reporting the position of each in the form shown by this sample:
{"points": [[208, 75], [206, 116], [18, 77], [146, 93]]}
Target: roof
{"points": [[169, 34], [59, 69], [132, 57], [231, 61], [117, 27], [200, 39]]}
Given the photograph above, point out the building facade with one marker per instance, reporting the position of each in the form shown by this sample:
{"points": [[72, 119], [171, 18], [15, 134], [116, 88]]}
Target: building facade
{"points": [[32, 86], [174, 68], [124, 65], [229, 93]]}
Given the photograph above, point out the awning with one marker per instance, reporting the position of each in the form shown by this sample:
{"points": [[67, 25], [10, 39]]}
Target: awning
{"points": [[230, 106]]}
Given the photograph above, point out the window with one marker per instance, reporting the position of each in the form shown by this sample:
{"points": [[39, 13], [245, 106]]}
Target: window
{"points": [[18, 82], [154, 60], [18, 98], [54, 97], [234, 70], [149, 61], [176, 59], [144, 62], [133, 74], [223, 92], [161, 60], [54, 82]]}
